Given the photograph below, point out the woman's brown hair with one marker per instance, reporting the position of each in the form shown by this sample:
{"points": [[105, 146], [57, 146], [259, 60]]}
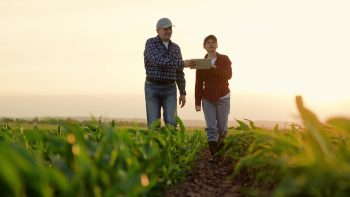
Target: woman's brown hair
{"points": [[208, 38]]}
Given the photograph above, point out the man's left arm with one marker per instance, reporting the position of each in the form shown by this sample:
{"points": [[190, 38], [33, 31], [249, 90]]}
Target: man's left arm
{"points": [[181, 82]]}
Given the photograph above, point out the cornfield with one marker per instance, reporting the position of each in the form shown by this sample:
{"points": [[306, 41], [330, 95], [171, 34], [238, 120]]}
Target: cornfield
{"points": [[96, 158]]}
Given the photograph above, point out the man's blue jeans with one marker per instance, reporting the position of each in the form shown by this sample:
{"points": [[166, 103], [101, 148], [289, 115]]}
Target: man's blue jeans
{"points": [[160, 96]]}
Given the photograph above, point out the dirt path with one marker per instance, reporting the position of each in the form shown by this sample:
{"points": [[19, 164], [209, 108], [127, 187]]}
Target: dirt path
{"points": [[208, 179]]}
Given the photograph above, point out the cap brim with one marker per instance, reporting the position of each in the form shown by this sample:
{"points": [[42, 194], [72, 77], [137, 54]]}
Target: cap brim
{"points": [[167, 26]]}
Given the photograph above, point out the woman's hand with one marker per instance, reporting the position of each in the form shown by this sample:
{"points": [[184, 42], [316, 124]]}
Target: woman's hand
{"points": [[213, 66], [198, 108]]}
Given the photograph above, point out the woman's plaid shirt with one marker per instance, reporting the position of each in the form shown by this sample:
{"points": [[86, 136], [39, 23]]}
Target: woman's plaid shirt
{"points": [[213, 83]]}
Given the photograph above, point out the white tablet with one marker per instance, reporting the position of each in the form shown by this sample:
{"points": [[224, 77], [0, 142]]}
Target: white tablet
{"points": [[201, 63]]}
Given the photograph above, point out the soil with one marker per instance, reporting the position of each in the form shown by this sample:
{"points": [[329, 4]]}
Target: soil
{"points": [[211, 179]]}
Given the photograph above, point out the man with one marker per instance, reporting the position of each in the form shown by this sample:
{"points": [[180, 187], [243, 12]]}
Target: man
{"points": [[164, 69]]}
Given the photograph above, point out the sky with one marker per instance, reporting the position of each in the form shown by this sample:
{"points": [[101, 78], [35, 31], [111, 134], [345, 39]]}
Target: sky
{"points": [[77, 58]]}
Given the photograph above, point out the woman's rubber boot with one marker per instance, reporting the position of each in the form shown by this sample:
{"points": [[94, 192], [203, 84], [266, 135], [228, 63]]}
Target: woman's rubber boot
{"points": [[221, 141], [221, 144], [213, 147]]}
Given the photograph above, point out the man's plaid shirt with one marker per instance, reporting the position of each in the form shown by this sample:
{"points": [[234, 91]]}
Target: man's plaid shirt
{"points": [[164, 64]]}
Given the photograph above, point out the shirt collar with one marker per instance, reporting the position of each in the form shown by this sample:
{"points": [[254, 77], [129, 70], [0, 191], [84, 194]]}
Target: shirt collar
{"points": [[217, 55], [161, 41]]}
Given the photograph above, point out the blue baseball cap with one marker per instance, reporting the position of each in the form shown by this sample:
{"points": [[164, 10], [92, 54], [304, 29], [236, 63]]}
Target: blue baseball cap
{"points": [[164, 23]]}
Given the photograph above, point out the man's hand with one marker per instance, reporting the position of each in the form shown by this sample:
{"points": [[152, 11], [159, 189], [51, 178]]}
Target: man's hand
{"points": [[198, 108], [188, 63], [213, 66], [182, 100]]}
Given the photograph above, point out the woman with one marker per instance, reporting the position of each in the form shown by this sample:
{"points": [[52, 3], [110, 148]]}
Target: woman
{"points": [[212, 91]]}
